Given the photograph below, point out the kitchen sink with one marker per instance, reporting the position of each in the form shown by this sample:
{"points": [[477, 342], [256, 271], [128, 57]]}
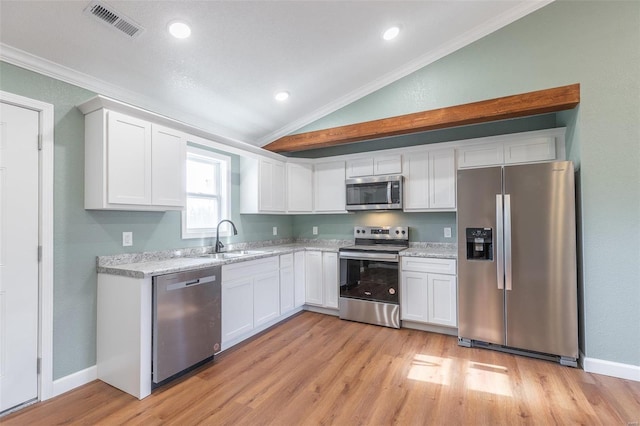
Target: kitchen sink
{"points": [[220, 256], [247, 252], [231, 254]]}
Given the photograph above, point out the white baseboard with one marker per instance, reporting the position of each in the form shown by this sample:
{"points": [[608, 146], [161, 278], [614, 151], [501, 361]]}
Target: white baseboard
{"points": [[610, 368], [72, 381]]}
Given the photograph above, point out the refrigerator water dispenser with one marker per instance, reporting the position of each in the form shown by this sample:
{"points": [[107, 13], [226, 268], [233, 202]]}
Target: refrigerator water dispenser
{"points": [[479, 243]]}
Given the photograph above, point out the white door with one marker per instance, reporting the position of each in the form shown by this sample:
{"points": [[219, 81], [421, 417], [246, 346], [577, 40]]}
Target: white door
{"points": [[287, 292], [168, 167], [414, 296], [330, 279], [18, 255], [128, 160], [313, 274], [237, 308], [442, 295], [266, 297]]}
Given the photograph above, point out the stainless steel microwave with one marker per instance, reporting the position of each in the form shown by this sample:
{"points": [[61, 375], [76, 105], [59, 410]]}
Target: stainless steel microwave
{"points": [[374, 193]]}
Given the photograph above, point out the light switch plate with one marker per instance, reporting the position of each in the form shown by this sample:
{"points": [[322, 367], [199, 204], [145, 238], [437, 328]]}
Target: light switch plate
{"points": [[127, 239], [315, 230], [447, 232], [275, 230]]}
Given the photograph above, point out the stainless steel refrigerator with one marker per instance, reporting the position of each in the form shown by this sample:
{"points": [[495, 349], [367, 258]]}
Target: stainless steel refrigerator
{"points": [[517, 274]]}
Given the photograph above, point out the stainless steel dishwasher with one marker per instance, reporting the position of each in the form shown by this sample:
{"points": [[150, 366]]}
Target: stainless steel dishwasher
{"points": [[186, 321]]}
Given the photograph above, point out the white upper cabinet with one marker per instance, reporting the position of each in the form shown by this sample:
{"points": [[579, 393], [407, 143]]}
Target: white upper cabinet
{"points": [[128, 146], [528, 150], [377, 165], [132, 164], [429, 180], [387, 165], [168, 162], [360, 167], [533, 147], [329, 188], [262, 186], [442, 179], [299, 188]]}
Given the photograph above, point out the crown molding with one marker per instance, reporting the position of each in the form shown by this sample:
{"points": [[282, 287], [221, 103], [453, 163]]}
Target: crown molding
{"points": [[465, 39]]}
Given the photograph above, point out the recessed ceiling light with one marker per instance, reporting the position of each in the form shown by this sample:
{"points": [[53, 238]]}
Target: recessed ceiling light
{"points": [[282, 96], [391, 33], [179, 29]]}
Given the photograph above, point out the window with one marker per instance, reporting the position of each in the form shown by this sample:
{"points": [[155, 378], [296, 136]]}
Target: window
{"points": [[208, 193]]}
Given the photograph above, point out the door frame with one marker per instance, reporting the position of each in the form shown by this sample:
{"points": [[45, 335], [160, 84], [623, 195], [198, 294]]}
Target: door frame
{"points": [[45, 235]]}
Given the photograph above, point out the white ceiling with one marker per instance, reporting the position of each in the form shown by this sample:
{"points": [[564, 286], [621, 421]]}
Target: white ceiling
{"points": [[223, 78]]}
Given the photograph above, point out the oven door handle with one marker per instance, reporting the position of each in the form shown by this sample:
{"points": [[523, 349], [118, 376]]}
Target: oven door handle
{"points": [[356, 255]]}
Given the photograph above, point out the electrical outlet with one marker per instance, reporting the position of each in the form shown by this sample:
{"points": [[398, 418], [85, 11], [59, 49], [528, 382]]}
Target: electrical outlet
{"points": [[275, 230], [127, 239], [447, 232], [315, 230]]}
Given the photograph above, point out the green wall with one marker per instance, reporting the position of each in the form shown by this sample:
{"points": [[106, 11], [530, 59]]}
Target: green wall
{"points": [[81, 235], [596, 44], [423, 226]]}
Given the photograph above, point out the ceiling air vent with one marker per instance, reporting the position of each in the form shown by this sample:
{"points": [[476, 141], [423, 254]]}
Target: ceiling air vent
{"points": [[116, 20]]}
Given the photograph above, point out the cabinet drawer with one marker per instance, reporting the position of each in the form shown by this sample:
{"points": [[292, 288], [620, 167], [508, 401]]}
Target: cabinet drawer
{"points": [[249, 268], [286, 261], [432, 265]]}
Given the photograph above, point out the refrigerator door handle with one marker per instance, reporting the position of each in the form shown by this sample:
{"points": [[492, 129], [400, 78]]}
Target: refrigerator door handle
{"points": [[499, 243], [507, 240]]}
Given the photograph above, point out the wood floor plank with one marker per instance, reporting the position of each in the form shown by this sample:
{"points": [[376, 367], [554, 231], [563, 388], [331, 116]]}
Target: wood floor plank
{"points": [[319, 370]]}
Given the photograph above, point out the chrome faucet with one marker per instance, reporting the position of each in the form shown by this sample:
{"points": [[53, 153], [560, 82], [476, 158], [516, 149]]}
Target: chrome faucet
{"points": [[219, 244]]}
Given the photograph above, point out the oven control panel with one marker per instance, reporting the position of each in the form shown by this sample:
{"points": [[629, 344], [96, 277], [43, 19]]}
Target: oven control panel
{"points": [[382, 232]]}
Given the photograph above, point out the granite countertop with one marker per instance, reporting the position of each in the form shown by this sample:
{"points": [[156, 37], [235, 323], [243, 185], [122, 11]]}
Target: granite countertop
{"points": [[437, 250], [144, 265]]}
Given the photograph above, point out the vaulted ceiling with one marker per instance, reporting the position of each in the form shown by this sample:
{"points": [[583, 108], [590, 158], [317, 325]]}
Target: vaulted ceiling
{"points": [[223, 78]]}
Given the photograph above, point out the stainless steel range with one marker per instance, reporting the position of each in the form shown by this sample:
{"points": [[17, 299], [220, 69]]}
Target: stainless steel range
{"points": [[369, 275]]}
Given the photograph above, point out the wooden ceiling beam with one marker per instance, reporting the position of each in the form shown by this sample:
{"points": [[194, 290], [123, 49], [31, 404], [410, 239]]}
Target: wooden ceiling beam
{"points": [[525, 104]]}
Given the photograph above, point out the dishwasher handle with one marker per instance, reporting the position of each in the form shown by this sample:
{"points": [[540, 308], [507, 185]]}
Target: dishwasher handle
{"points": [[183, 284]]}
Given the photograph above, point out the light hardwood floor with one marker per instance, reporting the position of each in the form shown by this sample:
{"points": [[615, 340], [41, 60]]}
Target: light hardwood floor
{"points": [[318, 370]]}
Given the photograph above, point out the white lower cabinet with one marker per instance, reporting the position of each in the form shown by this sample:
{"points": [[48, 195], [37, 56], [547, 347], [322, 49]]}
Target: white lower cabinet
{"points": [[321, 270], [266, 297], [414, 296], [299, 278], [287, 283], [237, 307], [250, 297], [330, 279], [429, 291], [442, 294]]}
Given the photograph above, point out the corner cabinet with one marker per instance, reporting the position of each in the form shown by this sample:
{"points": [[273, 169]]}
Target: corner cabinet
{"points": [[321, 270], [132, 164], [430, 180], [329, 194], [299, 188], [262, 186]]}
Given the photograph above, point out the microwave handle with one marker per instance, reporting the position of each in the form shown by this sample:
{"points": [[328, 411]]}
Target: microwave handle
{"points": [[389, 200]]}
